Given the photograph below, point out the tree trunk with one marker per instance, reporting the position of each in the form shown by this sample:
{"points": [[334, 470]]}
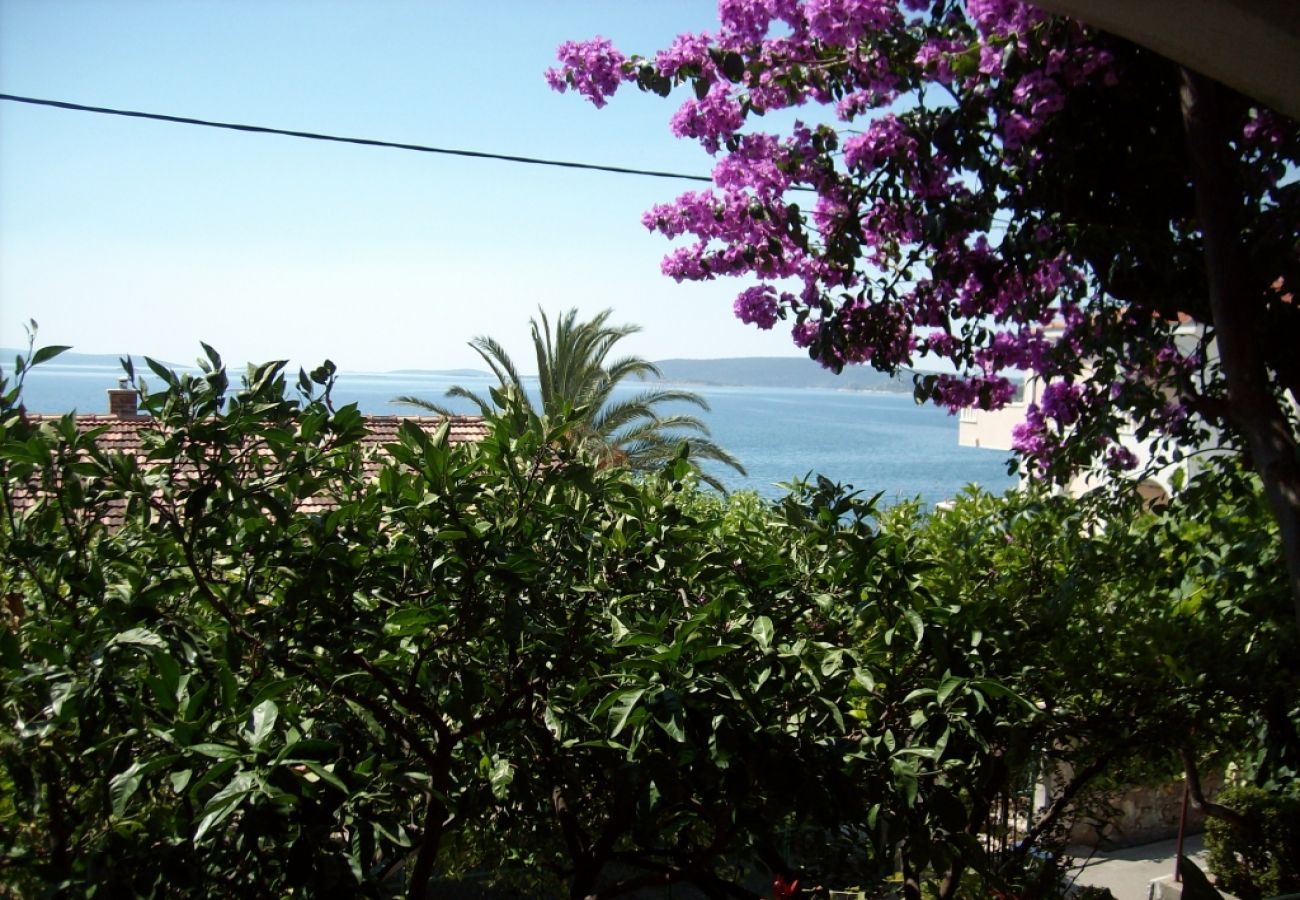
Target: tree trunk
{"points": [[911, 879], [435, 820], [1247, 828], [1235, 306]]}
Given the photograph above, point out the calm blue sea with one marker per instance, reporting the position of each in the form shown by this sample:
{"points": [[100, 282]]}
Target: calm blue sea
{"points": [[875, 442]]}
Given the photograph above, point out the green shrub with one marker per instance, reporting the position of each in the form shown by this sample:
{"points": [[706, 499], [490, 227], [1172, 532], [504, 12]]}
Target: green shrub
{"points": [[1253, 868]]}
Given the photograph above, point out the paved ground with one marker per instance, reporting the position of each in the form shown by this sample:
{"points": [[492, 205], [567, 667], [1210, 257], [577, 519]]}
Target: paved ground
{"points": [[1128, 872]]}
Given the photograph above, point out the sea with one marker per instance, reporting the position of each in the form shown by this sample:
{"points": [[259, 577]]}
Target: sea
{"points": [[875, 443]]}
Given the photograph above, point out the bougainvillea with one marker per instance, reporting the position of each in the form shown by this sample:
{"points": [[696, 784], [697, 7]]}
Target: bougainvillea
{"points": [[988, 190]]}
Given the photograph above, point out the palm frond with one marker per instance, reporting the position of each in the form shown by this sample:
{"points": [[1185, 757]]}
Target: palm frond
{"points": [[642, 406], [423, 404], [683, 422], [633, 367], [485, 407], [499, 361], [702, 448]]}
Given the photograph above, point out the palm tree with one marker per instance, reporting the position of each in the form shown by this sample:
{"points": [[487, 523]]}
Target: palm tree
{"points": [[575, 380]]}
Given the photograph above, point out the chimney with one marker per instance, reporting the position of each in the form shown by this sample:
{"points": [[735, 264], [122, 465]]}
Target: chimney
{"points": [[121, 401]]}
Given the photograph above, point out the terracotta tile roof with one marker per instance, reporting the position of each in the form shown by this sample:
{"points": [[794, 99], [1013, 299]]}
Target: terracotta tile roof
{"points": [[125, 435], [464, 429]]}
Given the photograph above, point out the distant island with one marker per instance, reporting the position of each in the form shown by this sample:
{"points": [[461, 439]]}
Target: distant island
{"points": [[748, 371], [73, 359], [779, 372]]}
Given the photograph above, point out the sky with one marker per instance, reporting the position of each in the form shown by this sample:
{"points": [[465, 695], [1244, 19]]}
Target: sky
{"points": [[132, 236]]}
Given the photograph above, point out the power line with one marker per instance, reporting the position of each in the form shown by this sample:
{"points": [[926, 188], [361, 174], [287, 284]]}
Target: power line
{"points": [[365, 142]]}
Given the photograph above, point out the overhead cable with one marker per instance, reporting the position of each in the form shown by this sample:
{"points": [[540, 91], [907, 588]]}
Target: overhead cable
{"points": [[365, 142]]}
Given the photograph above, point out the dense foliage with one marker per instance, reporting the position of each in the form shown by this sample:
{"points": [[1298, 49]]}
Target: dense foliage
{"points": [[1263, 864], [260, 661], [1004, 190]]}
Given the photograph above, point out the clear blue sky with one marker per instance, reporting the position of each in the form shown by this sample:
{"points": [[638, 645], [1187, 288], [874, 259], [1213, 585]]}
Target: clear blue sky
{"points": [[123, 235]]}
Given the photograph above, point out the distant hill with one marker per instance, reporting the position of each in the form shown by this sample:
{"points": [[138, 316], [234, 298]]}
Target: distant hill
{"points": [[779, 372], [749, 371], [73, 358], [462, 373]]}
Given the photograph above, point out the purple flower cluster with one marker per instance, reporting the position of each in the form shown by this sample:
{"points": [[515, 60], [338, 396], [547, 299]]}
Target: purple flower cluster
{"points": [[686, 50], [712, 119], [1264, 129], [748, 21], [1004, 18], [1120, 459], [805, 333], [843, 23], [1060, 401], [937, 55], [916, 232], [885, 138], [974, 392], [593, 68], [757, 306]]}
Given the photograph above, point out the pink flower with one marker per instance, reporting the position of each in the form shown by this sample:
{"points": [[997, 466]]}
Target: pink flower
{"points": [[886, 138], [845, 22], [757, 306], [685, 50], [805, 333], [711, 119], [1120, 458], [593, 68], [1061, 401], [936, 56]]}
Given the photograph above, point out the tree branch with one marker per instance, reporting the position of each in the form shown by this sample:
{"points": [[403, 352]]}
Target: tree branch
{"points": [[1243, 824], [1236, 306]]}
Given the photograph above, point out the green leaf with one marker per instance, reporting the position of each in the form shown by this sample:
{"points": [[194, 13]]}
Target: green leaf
{"points": [[923, 752], [918, 624], [140, 637], [623, 708], [997, 689], [704, 654], [277, 688], [500, 777], [224, 802], [910, 789], [308, 749], [214, 358], [834, 711], [325, 775], [261, 721], [865, 678], [409, 621], [672, 726], [763, 632], [212, 775], [45, 354], [167, 375], [733, 66], [122, 786], [216, 751], [552, 722], [950, 684]]}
